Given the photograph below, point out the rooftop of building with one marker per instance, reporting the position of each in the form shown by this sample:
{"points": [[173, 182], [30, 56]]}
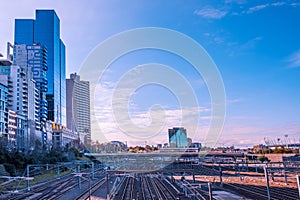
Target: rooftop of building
{"points": [[5, 62]]}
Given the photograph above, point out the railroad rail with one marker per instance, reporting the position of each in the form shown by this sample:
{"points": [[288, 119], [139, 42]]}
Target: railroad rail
{"points": [[260, 192], [91, 190], [128, 189]]}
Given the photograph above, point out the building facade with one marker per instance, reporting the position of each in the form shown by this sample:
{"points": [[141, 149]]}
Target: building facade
{"points": [[3, 110], [45, 30], [78, 107], [12, 129], [61, 136], [22, 98], [178, 137], [32, 59]]}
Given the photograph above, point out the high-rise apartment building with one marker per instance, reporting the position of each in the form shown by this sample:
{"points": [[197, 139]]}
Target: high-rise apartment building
{"points": [[178, 138], [22, 99], [78, 107], [45, 31], [12, 129], [32, 59]]}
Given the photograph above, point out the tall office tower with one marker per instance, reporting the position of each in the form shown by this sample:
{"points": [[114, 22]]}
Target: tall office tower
{"points": [[78, 107], [178, 138], [45, 30], [33, 60]]}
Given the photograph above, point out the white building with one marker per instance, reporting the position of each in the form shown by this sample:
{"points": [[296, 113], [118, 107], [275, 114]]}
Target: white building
{"points": [[22, 99], [78, 107], [32, 60], [12, 128], [61, 136]]}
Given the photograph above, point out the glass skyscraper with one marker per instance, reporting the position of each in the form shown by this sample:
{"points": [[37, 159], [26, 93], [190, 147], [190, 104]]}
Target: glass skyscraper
{"points": [[45, 30], [178, 137]]}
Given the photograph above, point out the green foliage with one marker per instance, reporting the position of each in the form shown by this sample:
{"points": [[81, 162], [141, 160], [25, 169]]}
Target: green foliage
{"points": [[15, 161], [10, 168], [282, 150], [263, 159], [76, 152]]}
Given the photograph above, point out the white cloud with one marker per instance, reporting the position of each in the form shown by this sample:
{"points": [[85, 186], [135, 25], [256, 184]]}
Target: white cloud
{"points": [[295, 4], [233, 101], [278, 4], [238, 49], [114, 121], [242, 134], [236, 1], [257, 8], [294, 60], [263, 6], [211, 13], [216, 38]]}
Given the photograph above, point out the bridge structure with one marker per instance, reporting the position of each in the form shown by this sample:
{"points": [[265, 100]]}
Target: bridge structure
{"points": [[154, 160], [292, 141]]}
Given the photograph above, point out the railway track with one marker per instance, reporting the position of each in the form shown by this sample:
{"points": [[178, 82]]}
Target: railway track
{"points": [[49, 190], [59, 191], [255, 192], [260, 192], [162, 189], [200, 193], [145, 187], [40, 191], [146, 190], [90, 191], [128, 192]]}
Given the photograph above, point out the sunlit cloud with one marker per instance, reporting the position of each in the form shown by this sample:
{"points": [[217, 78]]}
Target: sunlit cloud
{"points": [[236, 1], [211, 13], [278, 3], [243, 48], [294, 60], [243, 134], [257, 8], [275, 4], [233, 101], [108, 127]]}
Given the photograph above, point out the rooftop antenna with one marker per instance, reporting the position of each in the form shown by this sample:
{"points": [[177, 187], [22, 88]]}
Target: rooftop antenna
{"points": [[8, 54], [286, 140]]}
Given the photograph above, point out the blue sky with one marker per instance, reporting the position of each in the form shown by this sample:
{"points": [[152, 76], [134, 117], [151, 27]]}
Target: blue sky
{"points": [[255, 45]]}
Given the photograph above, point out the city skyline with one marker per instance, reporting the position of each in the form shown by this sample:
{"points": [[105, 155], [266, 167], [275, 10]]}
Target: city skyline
{"points": [[254, 44]]}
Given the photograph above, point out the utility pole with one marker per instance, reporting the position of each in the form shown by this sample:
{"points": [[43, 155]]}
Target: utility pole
{"points": [[284, 173], [220, 171], [58, 172], [194, 181], [28, 186], [89, 187], [210, 191], [267, 182], [298, 183], [93, 170], [107, 186]]}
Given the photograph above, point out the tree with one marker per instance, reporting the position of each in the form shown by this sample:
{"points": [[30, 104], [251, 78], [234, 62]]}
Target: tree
{"points": [[263, 159]]}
